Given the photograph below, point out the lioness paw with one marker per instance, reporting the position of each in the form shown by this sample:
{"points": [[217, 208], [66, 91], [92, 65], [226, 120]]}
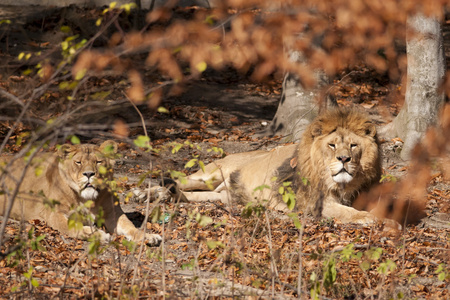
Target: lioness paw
{"points": [[104, 237], [156, 193]]}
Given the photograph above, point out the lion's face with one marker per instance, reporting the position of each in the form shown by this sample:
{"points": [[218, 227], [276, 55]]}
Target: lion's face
{"points": [[341, 151], [345, 155], [83, 165]]}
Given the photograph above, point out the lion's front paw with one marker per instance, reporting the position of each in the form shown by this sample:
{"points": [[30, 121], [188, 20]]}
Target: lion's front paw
{"points": [[392, 224], [364, 218], [153, 239]]}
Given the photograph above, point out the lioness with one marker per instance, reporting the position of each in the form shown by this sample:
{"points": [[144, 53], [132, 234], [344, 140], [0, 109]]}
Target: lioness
{"points": [[69, 177], [337, 158]]}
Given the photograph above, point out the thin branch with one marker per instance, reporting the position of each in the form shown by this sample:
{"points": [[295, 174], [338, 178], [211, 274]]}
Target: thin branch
{"points": [[139, 112], [11, 97]]}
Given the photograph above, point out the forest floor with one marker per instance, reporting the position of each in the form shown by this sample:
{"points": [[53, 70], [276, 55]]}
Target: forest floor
{"points": [[212, 250]]}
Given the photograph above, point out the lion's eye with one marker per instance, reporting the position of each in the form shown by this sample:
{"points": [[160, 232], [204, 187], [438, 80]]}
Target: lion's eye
{"points": [[99, 162], [78, 163], [332, 146], [353, 146]]}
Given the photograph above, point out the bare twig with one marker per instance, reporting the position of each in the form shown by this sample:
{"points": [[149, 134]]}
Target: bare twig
{"points": [[140, 114], [11, 97]]}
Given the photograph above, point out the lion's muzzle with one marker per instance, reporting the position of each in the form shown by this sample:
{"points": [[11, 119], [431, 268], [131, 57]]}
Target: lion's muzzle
{"points": [[343, 176], [341, 170]]}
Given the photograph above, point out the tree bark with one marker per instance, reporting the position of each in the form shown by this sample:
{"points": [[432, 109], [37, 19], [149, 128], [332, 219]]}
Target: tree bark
{"points": [[298, 105], [426, 70]]}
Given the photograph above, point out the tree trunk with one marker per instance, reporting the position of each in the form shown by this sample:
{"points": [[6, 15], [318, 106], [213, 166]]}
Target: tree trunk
{"points": [[298, 106], [426, 70]]}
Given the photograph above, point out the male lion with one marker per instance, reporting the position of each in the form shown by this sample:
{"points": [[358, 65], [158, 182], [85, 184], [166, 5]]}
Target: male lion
{"points": [[69, 178], [337, 158]]}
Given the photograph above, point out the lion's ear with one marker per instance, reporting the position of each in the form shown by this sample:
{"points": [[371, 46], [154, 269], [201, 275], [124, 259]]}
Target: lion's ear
{"points": [[65, 149], [316, 129], [370, 129], [108, 147]]}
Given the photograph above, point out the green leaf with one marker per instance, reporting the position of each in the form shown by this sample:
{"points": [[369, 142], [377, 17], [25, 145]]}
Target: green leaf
{"points": [[65, 45], [295, 219], [176, 148], [34, 282], [214, 244], [40, 238], [289, 199], [261, 187], [374, 253], [100, 95], [75, 140], [281, 191], [201, 165], [65, 29], [190, 163], [329, 273], [38, 170], [102, 170], [365, 265], [128, 7], [387, 266], [72, 85], [98, 22], [201, 66], [80, 74], [209, 184], [163, 110], [28, 274], [203, 220], [72, 38], [305, 181], [347, 252], [63, 85], [142, 141]]}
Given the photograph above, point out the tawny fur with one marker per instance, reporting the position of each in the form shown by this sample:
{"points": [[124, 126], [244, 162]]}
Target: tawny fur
{"points": [[70, 177], [338, 157]]}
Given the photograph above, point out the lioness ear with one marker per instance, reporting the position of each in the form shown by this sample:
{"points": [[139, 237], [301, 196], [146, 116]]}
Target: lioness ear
{"points": [[65, 149], [108, 147], [370, 129]]}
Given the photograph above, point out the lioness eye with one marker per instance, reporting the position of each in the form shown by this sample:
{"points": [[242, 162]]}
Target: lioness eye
{"points": [[99, 161], [353, 146], [332, 146], [78, 163]]}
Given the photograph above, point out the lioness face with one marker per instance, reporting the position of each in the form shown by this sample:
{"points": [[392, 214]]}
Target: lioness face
{"points": [[342, 154], [81, 165]]}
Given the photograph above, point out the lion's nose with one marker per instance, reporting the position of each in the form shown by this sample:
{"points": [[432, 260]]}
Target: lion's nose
{"points": [[88, 174], [344, 159]]}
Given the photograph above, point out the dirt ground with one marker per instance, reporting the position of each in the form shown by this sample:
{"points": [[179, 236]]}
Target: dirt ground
{"points": [[230, 255]]}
